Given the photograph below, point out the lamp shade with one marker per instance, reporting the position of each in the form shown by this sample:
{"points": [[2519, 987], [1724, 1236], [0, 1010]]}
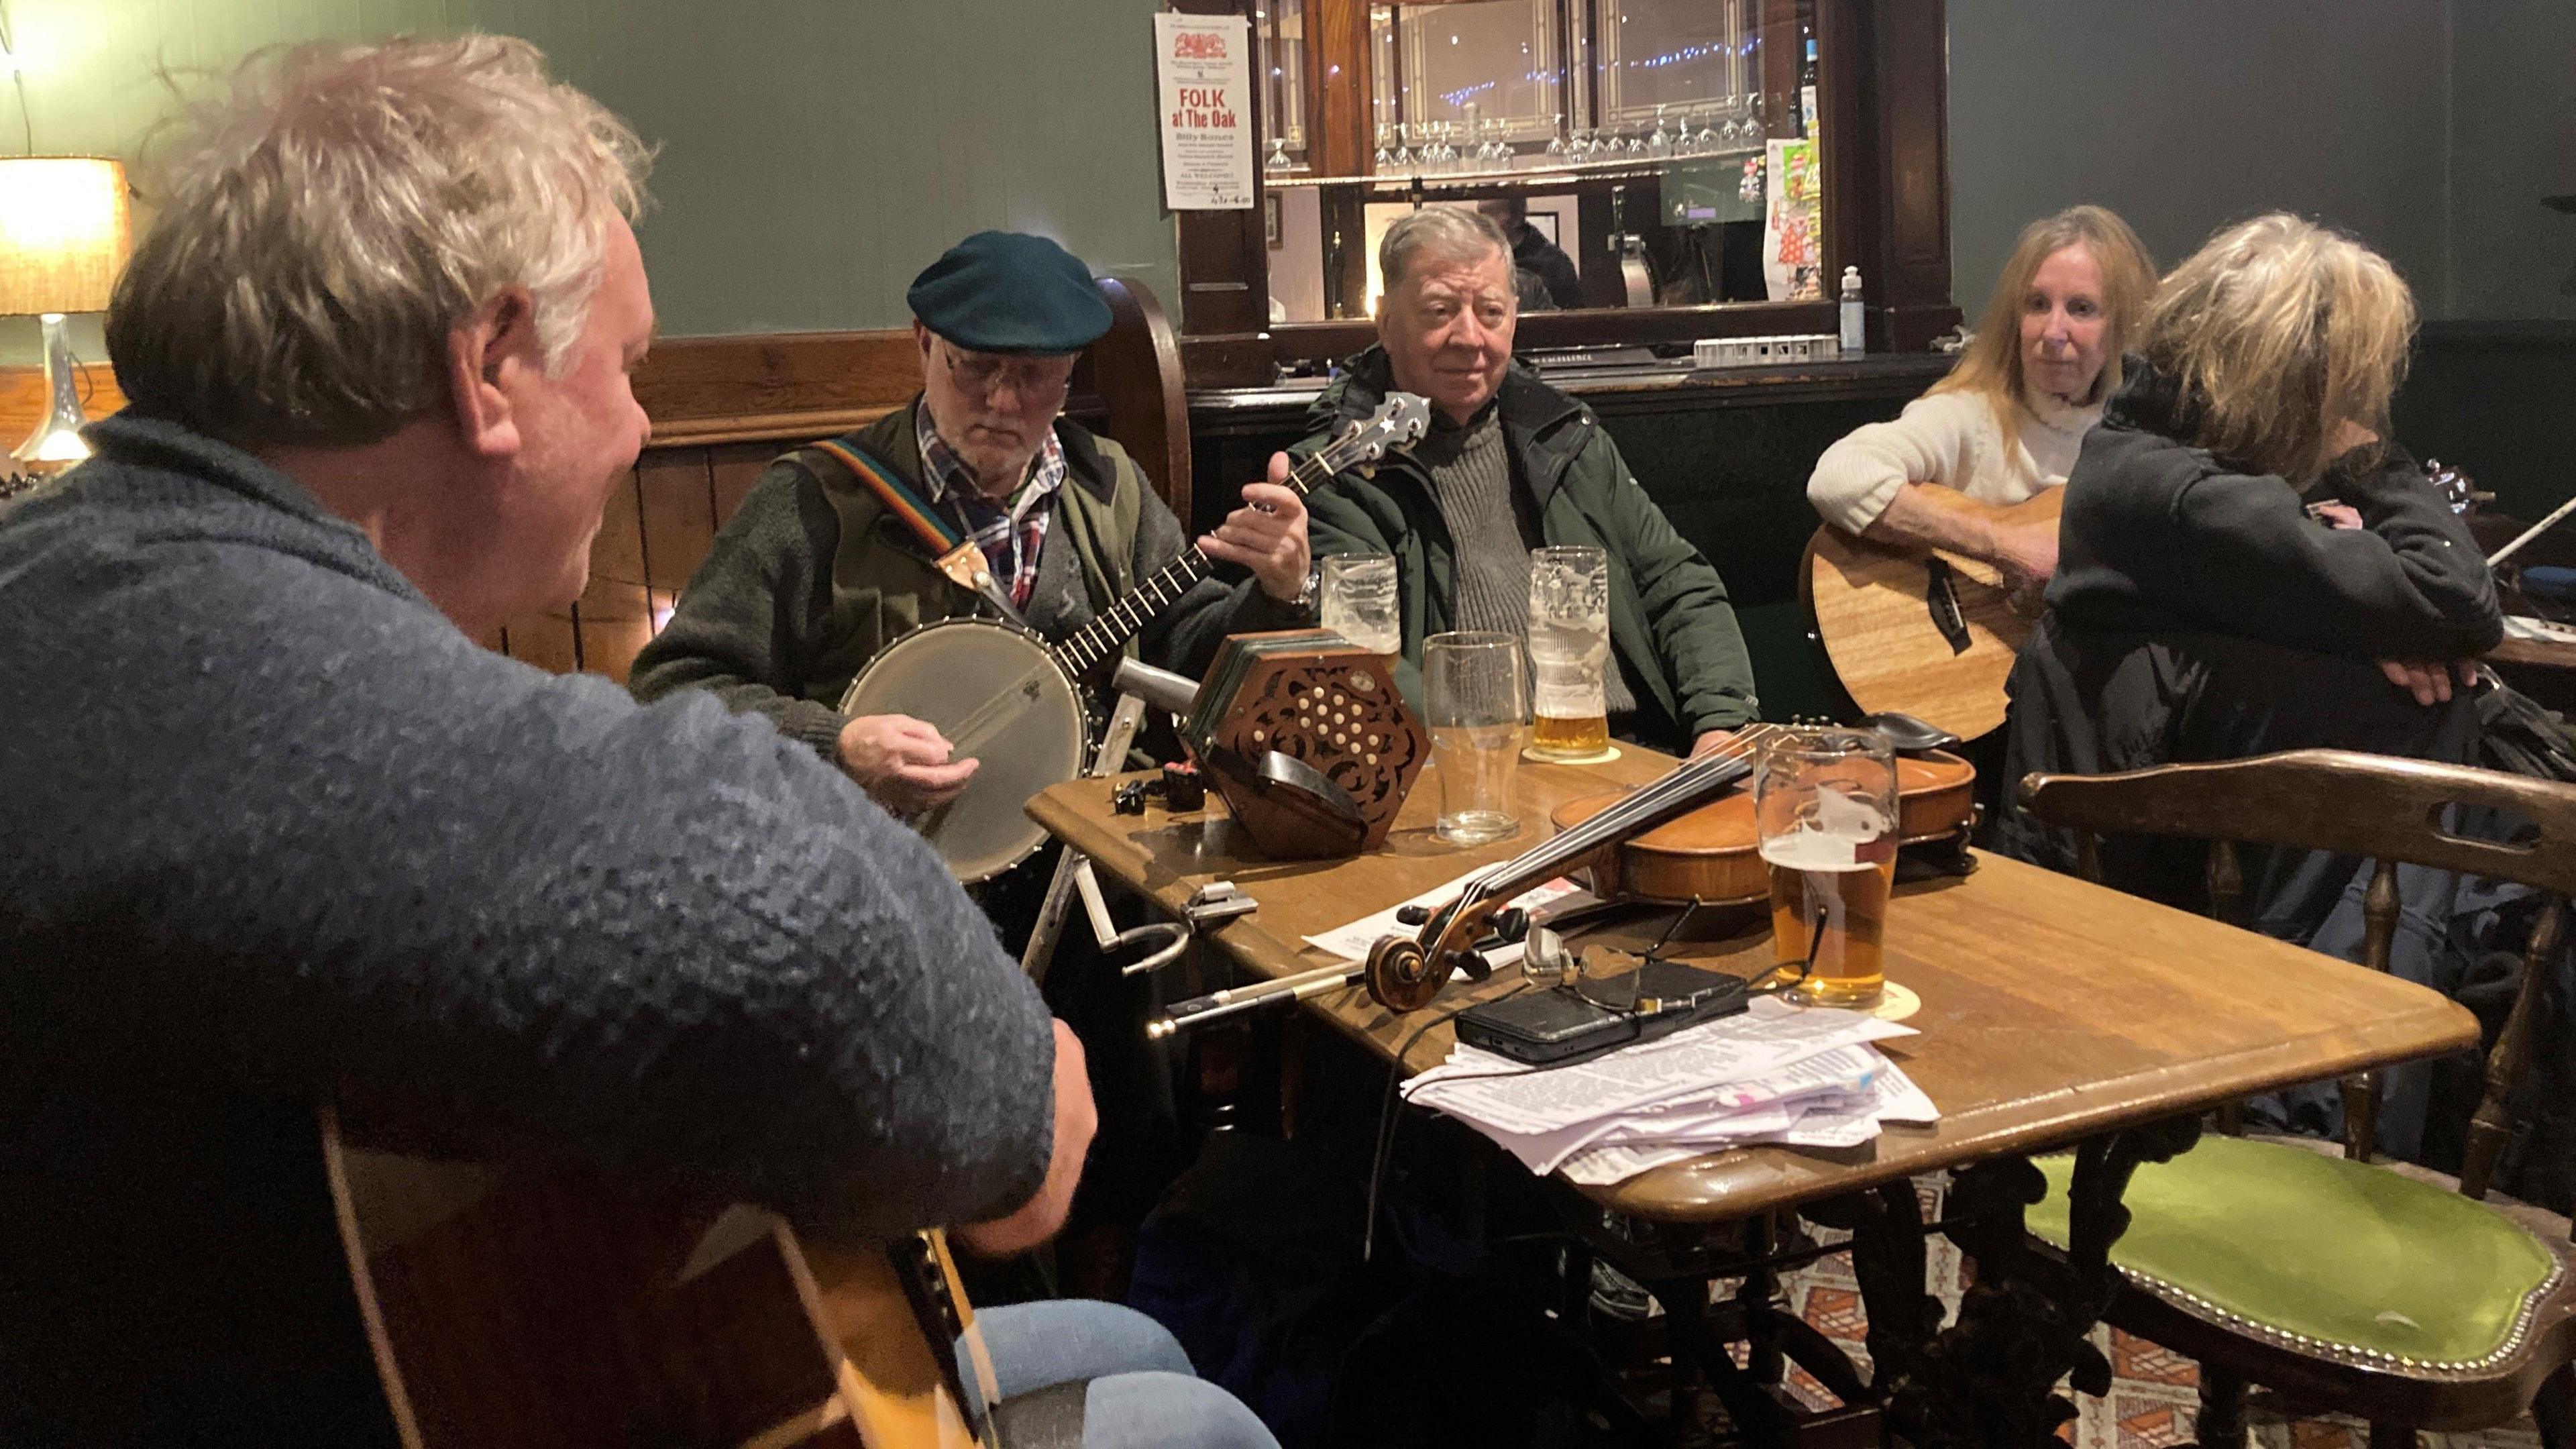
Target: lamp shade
{"points": [[64, 232]]}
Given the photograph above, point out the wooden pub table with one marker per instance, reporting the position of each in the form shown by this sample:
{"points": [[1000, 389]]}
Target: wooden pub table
{"points": [[2056, 1014]]}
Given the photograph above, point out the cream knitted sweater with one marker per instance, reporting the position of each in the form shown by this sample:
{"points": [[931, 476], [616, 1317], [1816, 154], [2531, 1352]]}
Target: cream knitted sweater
{"points": [[1952, 439]]}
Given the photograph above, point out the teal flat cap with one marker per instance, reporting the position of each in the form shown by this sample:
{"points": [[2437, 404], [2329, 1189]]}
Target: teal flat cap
{"points": [[1005, 291]]}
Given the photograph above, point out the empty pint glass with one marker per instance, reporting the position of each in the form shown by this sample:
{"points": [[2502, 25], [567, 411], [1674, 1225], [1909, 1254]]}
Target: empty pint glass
{"points": [[1471, 691], [1356, 596], [1824, 803], [1569, 646]]}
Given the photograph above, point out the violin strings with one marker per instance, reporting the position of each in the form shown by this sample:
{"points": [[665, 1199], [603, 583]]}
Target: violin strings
{"points": [[1616, 819]]}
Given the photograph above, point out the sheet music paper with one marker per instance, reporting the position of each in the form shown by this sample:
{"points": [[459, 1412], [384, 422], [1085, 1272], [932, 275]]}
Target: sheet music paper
{"points": [[1776, 1073]]}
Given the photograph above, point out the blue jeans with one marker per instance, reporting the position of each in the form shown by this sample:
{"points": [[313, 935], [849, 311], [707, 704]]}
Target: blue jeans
{"points": [[1143, 1393]]}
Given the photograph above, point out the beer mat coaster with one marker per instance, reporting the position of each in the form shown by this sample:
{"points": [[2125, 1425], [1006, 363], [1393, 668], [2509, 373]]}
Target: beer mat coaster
{"points": [[1895, 1003], [1606, 756]]}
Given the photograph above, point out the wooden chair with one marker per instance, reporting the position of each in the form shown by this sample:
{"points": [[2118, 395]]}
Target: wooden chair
{"points": [[1135, 372], [2341, 1286]]}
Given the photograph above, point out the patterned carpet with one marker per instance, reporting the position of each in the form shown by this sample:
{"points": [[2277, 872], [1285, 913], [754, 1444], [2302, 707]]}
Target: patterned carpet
{"points": [[2154, 1393]]}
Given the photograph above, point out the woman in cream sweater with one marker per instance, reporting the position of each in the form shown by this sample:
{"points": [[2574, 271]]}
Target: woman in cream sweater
{"points": [[2006, 423]]}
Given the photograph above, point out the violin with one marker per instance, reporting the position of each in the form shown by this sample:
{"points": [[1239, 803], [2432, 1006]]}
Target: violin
{"points": [[1711, 855], [1404, 973]]}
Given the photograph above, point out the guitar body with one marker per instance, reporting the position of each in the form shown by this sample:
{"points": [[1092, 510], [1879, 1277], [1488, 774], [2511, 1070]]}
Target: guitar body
{"points": [[1929, 634], [518, 1309]]}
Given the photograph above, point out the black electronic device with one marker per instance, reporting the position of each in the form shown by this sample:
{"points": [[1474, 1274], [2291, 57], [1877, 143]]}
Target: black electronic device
{"points": [[1564, 1024]]}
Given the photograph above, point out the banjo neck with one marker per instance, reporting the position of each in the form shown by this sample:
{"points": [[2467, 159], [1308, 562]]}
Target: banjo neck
{"points": [[1124, 620]]}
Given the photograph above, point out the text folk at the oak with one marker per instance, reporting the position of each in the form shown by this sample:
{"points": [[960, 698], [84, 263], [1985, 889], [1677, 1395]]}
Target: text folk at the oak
{"points": [[1203, 106]]}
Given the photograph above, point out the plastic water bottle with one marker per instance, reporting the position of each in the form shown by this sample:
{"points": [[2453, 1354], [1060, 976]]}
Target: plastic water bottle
{"points": [[1855, 337]]}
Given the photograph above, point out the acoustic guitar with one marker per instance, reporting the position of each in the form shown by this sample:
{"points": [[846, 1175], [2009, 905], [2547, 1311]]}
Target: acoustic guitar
{"points": [[510, 1309], [1930, 634]]}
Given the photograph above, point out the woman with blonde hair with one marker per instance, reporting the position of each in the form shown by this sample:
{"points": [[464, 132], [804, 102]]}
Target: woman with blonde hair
{"points": [[2261, 386], [2202, 611], [2007, 422]]}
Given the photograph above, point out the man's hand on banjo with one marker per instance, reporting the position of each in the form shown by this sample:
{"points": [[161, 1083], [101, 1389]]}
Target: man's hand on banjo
{"points": [[902, 762], [1266, 535]]}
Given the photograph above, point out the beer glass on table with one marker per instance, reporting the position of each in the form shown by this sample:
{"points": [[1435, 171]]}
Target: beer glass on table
{"points": [[1824, 805], [1569, 645], [1357, 600], [1478, 713]]}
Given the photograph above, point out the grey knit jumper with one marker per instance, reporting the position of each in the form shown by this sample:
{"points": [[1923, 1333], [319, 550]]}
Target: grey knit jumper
{"points": [[270, 826], [1494, 525]]}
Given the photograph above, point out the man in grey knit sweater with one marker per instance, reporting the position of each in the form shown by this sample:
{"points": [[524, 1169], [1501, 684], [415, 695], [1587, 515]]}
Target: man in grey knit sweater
{"points": [[275, 827]]}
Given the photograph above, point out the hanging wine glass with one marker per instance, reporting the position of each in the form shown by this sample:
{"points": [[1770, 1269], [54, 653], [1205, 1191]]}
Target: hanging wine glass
{"points": [[1403, 145], [1383, 159], [1278, 155], [1705, 143], [1555, 137], [1661, 142]]}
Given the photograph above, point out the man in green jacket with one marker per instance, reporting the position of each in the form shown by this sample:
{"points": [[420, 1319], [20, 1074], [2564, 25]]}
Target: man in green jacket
{"points": [[1512, 464], [818, 570]]}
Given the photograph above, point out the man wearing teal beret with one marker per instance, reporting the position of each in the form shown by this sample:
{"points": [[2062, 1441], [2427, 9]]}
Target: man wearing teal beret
{"points": [[813, 576]]}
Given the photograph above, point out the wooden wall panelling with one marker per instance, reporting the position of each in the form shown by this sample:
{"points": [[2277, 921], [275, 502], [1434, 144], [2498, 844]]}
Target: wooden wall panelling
{"points": [[23, 398], [1342, 219], [1136, 372], [676, 504], [736, 466], [612, 623], [612, 619], [544, 640], [1338, 87], [701, 390], [1887, 180], [1225, 261]]}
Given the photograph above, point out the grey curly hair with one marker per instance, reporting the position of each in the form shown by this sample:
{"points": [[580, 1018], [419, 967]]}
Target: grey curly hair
{"points": [[328, 220]]}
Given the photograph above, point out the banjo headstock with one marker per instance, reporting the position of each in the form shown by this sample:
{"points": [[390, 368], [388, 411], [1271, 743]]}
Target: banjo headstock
{"points": [[1399, 422]]}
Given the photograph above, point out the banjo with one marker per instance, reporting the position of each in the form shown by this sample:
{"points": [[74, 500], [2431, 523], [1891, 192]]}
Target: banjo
{"points": [[1015, 702]]}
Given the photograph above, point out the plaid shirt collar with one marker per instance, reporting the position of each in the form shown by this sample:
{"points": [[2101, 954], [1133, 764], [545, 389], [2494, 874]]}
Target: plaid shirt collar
{"points": [[1010, 533]]}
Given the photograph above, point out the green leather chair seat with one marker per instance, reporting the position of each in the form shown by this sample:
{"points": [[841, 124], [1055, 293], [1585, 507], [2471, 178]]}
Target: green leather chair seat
{"points": [[2323, 1255]]}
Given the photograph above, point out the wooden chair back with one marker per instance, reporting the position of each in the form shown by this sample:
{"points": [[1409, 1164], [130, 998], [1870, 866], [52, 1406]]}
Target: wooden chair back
{"points": [[2387, 809], [1135, 371]]}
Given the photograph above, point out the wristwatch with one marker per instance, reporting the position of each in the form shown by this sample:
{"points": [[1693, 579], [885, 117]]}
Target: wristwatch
{"points": [[1310, 598]]}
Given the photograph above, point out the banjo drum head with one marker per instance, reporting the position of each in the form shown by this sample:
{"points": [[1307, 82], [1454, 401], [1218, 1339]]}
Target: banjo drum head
{"points": [[998, 696]]}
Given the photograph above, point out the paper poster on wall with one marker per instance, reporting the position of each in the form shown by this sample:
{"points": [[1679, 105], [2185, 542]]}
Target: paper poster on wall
{"points": [[1793, 224], [1203, 65]]}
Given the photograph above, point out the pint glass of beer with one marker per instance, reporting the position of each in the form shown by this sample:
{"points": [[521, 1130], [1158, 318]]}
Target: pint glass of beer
{"points": [[1569, 645], [1824, 803]]}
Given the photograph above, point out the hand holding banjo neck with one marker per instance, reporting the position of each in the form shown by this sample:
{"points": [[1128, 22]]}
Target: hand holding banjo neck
{"points": [[1405, 974], [1399, 422]]}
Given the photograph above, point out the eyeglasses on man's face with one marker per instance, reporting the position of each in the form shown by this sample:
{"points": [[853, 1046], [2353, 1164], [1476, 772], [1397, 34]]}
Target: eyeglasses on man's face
{"points": [[1031, 380]]}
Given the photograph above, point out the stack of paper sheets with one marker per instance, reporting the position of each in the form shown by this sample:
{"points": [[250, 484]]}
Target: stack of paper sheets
{"points": [[1776, 1073], [1804, 1076]]}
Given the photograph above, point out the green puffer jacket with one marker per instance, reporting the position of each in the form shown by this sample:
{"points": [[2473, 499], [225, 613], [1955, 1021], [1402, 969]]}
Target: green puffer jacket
{"points": [[1671, 627]]}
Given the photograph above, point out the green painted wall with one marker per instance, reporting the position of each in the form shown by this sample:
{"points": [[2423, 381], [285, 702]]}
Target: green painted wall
{"points": [[814, 154]]}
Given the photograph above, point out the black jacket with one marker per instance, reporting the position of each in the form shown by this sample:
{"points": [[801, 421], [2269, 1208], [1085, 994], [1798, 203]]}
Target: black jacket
{"points": [[1533, 253], [2161, 536], [2198, 613]]}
